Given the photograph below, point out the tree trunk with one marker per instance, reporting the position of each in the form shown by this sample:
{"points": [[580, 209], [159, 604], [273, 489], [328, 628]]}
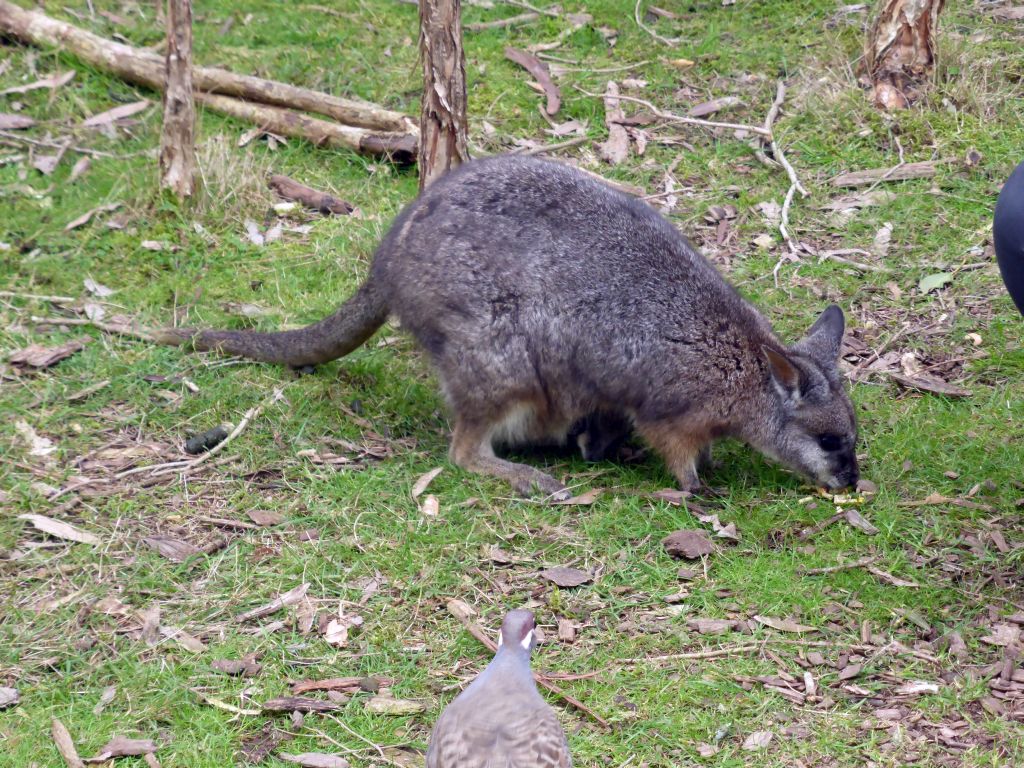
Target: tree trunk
{"points": [[900, 52], [443, 141], [177, 142]]}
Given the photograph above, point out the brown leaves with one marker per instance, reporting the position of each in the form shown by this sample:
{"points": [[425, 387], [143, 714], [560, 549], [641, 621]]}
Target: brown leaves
{"points": [[86, 217], [65, 745], [424, 481], [565, 577], [9, 697], [38, 356], [60, 529], [539, 70], [691, 544]]}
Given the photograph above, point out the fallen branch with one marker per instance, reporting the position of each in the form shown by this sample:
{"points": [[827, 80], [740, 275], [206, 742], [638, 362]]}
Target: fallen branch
{"points": [[840, 257], [478, 632], [35, 297], [780, 94], [859, 563], [651, 32], [146, 68], [289, 189]]}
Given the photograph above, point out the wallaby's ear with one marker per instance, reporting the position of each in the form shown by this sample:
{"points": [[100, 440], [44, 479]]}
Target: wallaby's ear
{"points": [[784, 373], [825, 338]]}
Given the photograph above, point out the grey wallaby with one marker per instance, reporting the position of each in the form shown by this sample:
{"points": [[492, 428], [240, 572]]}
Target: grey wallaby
{"points": [[547, 300]]}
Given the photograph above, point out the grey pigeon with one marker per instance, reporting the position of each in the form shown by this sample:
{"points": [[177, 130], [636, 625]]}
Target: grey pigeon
{"points": [[500, 720]]}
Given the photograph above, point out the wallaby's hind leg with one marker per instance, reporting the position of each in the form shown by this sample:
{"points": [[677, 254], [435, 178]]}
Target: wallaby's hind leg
{"points": [[471, 449], [680, 451]]}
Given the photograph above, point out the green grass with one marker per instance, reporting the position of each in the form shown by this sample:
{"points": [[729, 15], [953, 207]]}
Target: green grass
{"points": [[62, 658]]}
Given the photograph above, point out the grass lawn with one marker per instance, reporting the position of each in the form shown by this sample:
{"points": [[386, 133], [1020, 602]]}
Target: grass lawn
{"points": [[335, 458]]}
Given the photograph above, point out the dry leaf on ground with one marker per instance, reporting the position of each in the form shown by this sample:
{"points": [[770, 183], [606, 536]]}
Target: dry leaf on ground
{"points": [[563, 576], [299, 704], [84, 219], [105, 698], [927, 383], [15, 122], [175, 550], [34, 442], [115, 114], [424, 481], [858, 521], [539, 70], [584, 499], [711, 626], [65, 745], [245, 667], [9, 697], [265, 517], [337, 629], [688, 543], [784, 625], [60, 529], [54, 81], [616, 149], [758, 740], [291, 597], [715, 105], [190, 643]]}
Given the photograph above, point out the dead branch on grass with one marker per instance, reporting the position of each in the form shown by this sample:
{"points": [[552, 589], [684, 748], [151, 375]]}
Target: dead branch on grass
{"points": [[511, 21], [117, 330], [651, 32]]}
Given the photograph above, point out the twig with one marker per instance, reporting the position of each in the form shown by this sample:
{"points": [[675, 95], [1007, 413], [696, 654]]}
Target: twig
{"points": [[674, 118], [604, 70], [55, 145], [522, 18], [859, 563], [892, 170], [651, 32], [773, 112], [478, 632], [118, 330], [878, 352], [818, 527], [784, 230], [35, 297], [838, 256], [551, 147], [529, 7], [251, 414], [708, 654], [359, 736]]}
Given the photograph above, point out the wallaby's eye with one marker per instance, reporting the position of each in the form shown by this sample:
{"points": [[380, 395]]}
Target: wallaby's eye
{"points": [[830, 442]]}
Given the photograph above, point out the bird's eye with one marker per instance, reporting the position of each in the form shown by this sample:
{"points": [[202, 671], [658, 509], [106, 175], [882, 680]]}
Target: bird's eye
{"points": [[830, 442]]}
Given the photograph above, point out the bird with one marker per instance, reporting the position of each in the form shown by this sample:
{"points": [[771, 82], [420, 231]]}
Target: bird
{"points": [[500, 720], [1008, 235]]}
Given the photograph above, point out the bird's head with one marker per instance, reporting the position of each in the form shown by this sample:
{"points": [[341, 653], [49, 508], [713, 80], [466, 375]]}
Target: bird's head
{"points": [[518, 630]]}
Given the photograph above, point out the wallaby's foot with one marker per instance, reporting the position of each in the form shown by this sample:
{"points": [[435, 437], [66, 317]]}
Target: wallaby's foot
{"points": [[705, 461], [471, 449], [679, 451]]}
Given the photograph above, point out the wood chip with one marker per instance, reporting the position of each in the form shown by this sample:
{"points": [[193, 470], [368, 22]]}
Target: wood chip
{"points": [[175, 550], [245, 667], [9, 697], [784, 625], [566, 631], [385, 705], [38, 356], [265, 517], [858, 521], [691, 544], [616, 149], [563, 576], [715, 105], [190, 643], [298, 704], [59, 529], [890, 579], [340, 684], [583, 500], [314, 760], [15, 122], [322, 202], [119, 746]]}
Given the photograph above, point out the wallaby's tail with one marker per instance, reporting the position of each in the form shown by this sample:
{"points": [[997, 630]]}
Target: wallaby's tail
{"points": [[331, 338]]}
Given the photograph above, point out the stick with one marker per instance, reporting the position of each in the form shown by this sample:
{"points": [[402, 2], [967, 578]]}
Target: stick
{"points": [[322, 202], [709, 654], [146, 68], [674, 118], [251, 414], [177, 140], [539, 70], [118, 330], [65, 745], [551, 147], [478, 632], [838, 256], [651, 32], [780, 94], [35, 297], [922, 170], [522, 18], [859, 563]]}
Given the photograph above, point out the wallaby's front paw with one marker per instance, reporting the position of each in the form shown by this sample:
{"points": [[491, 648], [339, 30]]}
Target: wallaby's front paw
{"points": [[528, 484]]}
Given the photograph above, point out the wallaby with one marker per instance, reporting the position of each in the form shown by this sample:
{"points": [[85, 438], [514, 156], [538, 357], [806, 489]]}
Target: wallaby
{"points": [[544, 297]]}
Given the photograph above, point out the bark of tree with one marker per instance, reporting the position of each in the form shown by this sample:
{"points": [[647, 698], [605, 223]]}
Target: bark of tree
{"points": [[177, 142], [900, 52], [146, 68], [443, 128]]}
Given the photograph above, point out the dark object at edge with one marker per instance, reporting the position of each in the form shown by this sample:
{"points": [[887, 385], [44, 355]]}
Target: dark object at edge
{"points": [[1008, 235]]}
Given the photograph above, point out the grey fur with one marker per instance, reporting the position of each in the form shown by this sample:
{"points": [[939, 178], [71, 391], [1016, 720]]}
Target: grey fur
{"points": [[543, 296]]}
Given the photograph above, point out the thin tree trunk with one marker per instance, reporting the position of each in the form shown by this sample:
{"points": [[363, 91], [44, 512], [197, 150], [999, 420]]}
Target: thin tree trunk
{"points": [[443, 139], [900, 52], [177, 142]]}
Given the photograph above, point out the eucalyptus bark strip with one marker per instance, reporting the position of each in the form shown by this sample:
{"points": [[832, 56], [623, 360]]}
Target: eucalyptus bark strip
{"points": [[177, 141], [900, 50], [443, 126]]}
